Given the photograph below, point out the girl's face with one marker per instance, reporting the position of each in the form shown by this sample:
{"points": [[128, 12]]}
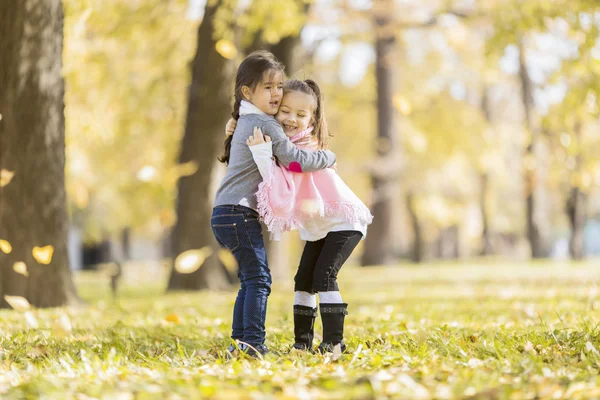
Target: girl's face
{"points": [[267, 93], [296, 112]]}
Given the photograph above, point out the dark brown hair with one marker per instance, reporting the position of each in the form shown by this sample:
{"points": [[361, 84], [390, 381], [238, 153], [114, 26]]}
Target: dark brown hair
{"points": [[250, 73], [320, 132]]}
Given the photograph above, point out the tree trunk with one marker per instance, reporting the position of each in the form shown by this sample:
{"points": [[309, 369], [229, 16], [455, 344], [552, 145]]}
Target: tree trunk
{"points": [[378, 244], [576, 207], [208, 109], [531, 176], [417, 252], [486, 237], [33, 206], [484, 179]]}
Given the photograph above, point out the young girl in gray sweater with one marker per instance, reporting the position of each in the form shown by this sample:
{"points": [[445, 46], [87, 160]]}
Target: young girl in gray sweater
{"points": [[258, 94]]}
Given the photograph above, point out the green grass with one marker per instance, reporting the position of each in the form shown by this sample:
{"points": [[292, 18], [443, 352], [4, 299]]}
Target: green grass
{"points": [[438, 331]]}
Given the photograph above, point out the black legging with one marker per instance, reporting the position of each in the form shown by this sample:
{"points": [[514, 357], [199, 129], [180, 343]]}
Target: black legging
{"points": [[322, 260]]}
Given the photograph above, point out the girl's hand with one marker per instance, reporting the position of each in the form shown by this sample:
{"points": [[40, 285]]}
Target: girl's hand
{"points": [[230, 127], [258, 138]]}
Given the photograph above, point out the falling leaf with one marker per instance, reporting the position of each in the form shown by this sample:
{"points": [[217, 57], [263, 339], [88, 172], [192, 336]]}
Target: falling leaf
{"points": [[173, 318], [18, 303], [228, 260], [5, 246], [43, 255], [62, 325], [5, 177], [31, 320], [191, 260], [20, 268], [226, 48]]}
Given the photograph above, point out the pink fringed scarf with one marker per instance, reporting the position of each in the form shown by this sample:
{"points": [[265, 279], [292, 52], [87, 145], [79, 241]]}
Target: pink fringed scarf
{"points": [[287, 199]]}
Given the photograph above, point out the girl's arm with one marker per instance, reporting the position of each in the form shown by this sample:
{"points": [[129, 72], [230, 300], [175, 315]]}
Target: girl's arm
{"points": [[294, 159], [262, 152]]}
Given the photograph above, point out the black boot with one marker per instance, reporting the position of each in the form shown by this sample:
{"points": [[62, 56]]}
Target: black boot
{"points": [[332, 316], [304, 327]]}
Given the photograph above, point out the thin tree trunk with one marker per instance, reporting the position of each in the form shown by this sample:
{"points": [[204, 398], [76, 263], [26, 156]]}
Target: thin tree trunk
{"points": [[417, 251], [487, 247], [208, 109], [33, 207], [576, 207], [531, 174], [378, 244], [484, 179]]}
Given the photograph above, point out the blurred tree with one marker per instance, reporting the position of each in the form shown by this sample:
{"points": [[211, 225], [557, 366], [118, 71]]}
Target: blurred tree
{"points": [[378, 244], [208, 105], [33, 210]]}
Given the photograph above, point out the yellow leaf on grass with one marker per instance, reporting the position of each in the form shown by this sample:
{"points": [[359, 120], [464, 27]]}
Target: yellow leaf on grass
{"points": [[191, 260], [62, 325], [31, 320], [43, 255], [21, 268], [5, 246], [228, 260], [226, 48], [173, 318], [5, 177], [18, 303]]}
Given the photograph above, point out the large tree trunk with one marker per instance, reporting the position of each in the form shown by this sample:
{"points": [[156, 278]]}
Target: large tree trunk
{"points": [[378, 244], [576, 207], [531, 158], [208, 109], [33, 209]]}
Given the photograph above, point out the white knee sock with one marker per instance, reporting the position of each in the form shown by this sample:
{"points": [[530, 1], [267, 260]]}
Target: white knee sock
{"points": [[305, 299], [330, 297]]}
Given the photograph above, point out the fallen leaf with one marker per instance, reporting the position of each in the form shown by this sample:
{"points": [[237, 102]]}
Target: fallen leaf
{"points": [[43, 255], [62, 325], [18, 303], [173, 318], [337, 352], [31, 320], [20, 268]]}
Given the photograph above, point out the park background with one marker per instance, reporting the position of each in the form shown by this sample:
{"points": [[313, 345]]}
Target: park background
{"points": [[470, 129]]}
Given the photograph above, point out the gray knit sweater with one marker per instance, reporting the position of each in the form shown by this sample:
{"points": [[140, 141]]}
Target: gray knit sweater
{"points": [[242, 178]]}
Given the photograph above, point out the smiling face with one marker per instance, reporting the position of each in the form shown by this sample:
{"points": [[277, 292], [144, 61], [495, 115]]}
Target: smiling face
{"points": [[266, 95], [296, 112]]}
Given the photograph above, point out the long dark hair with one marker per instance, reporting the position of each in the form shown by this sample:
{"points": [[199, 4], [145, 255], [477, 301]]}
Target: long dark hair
{"points": [[250, 73], [320, 132]]}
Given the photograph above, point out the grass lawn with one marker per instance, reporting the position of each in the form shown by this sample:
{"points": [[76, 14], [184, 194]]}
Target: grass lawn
{"points": [[435, 331]]}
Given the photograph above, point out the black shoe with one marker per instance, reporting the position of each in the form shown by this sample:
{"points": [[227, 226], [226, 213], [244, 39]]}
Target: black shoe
{"points": [[304, 327], [332, 316]]}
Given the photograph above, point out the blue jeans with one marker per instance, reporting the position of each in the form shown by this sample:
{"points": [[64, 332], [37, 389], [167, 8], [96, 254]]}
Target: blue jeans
{"points": [[237, 229]]}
